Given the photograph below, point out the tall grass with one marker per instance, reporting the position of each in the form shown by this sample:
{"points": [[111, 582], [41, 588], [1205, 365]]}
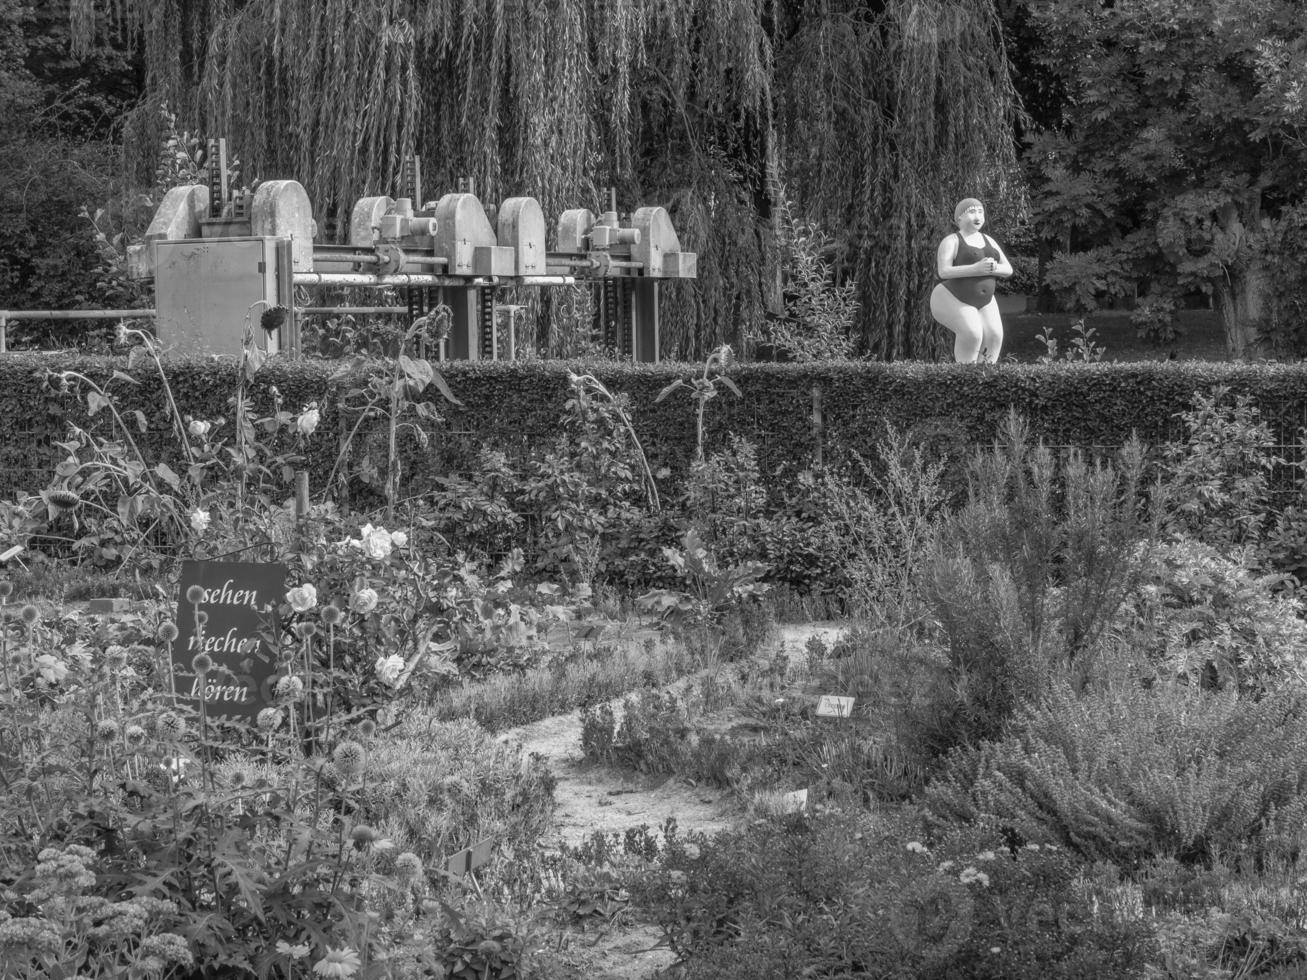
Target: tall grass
{"points": [[507, 701]]}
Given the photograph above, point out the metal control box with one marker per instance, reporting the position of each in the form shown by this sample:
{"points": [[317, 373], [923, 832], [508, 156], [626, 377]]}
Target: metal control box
{"points": [[205, 288]]}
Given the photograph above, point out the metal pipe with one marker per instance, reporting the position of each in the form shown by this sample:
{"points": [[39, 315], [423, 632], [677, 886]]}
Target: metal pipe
{"points": [[591, 263], [346, 257], [394, 279], [370, 258], [73, 314], [543, 281], [314, 310]]}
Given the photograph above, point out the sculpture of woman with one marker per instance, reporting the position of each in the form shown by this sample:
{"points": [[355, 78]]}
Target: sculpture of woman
{"points": [[968, 263]]}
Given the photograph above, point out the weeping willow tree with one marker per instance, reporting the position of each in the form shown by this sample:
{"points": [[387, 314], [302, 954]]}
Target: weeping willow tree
{"points": [[874, 117], [889, 114]]}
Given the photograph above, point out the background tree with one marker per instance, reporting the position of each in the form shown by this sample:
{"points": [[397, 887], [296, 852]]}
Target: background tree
{"points": [[1177, 154], [57, 156], [876, 114], [889, 114]]}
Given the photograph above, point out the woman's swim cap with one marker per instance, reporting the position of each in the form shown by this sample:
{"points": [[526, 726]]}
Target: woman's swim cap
{"points": [[965, 204]]}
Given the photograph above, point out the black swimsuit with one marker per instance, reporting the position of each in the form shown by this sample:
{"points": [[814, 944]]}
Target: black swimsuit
{"points": [[975, 291]]}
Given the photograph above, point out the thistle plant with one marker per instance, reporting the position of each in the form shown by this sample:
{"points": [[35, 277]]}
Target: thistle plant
{"points": [[230, 847]]}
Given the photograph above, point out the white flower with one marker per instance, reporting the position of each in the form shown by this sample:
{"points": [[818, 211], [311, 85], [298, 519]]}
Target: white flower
{"points": [[692, 851], [389, 668], [52, 669], [363, 601], [199, 428], [376, 542], [175, 767], [399, 539], [302, 598], [971, 874], [199, 519], [308, 420], [986, 856], [916, 847]]}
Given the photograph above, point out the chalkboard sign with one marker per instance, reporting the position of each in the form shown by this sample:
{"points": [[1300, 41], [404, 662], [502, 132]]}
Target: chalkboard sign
{"points": [[239, 635]]}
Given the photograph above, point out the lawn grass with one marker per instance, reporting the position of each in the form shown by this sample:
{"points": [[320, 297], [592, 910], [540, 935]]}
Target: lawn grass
{"points": [[1202, 336]]}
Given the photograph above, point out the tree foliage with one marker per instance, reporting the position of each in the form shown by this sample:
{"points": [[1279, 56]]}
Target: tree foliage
{"points": [[884, 113], [889, 113], [1177, 152], [55, 159]]}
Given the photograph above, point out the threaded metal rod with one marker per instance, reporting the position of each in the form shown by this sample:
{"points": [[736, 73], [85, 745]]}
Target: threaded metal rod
{"points": [[393, 279]]}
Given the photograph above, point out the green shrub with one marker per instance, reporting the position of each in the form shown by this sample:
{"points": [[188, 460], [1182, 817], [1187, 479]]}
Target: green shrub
{"points": [[1217, 920], [902, 687], [1028, 575], [651, 737], [1126, 773], [65, 924], [482, 941], [514, 406], [98, 758], [1205, 617], [855, 895], [435, 788], [1284, 549], [1219, 477], [230, 835]]}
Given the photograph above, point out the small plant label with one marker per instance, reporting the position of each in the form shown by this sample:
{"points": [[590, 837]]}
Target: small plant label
{"points": [[794, 802], [238, 633], [470, 858], [832, 706]]}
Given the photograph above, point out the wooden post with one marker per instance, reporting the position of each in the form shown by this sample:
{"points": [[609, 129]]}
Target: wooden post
{"points": [[818, 424], [301, 494], [301, 508]]}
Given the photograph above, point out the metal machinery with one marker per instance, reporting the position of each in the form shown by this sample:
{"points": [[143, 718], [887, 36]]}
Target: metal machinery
{"points": [[215, 254]]}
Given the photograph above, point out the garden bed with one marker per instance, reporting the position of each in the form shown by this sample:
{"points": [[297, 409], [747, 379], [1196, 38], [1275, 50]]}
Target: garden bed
{"points": [[540, 721]]}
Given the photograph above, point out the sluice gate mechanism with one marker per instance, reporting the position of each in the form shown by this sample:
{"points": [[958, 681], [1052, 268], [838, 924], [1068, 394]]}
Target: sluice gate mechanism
{"points": [[214, 253]]}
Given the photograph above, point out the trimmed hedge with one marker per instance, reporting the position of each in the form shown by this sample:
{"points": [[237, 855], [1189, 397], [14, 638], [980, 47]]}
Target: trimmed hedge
{"points": [[516, 406]]}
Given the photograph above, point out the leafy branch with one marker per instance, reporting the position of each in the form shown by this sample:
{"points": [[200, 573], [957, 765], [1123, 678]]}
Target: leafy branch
{"points": [[393, 393]]}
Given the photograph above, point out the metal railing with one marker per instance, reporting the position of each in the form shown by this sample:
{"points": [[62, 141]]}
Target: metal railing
{"points": [[7, 315]]}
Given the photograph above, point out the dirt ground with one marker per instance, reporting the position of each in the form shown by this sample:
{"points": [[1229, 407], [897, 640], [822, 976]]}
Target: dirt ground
{"points": [[591, 798]]}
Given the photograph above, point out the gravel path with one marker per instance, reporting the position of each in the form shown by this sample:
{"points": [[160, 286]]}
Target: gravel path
{"points": [[590, 798]]}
